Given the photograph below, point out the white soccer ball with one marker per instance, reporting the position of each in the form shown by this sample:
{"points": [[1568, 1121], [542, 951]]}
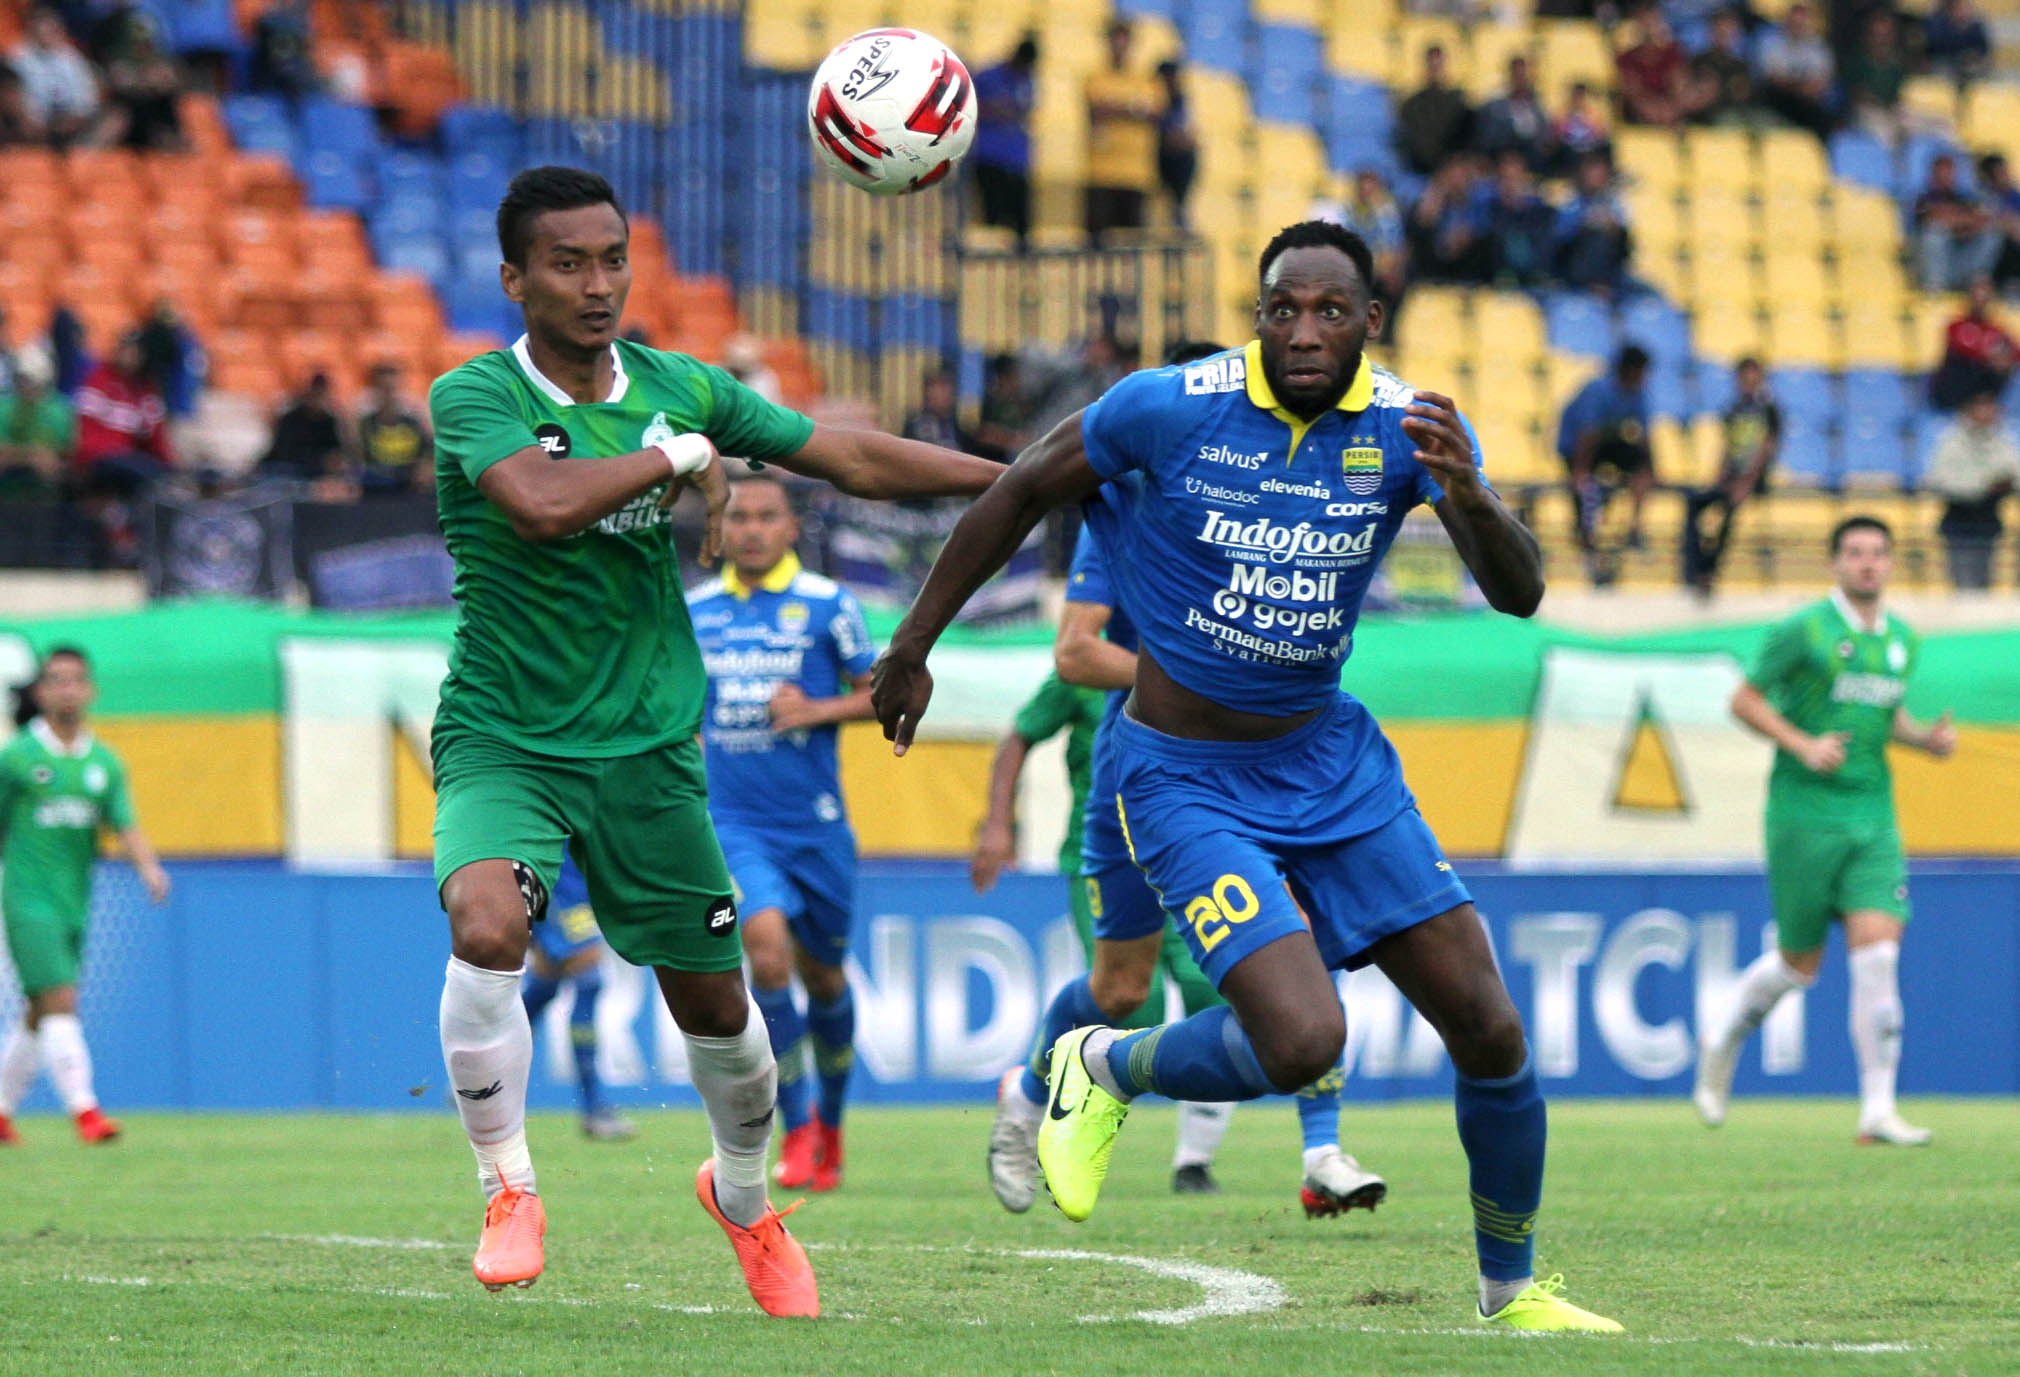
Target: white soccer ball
{"points": [[891, 111]]}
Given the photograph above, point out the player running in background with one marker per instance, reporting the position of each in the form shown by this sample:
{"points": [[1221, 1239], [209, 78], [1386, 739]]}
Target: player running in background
{"points": [[58, 786], [1828, 692], [788, 660], [573, 699], [1128, 937], [567, 949], [1244, 502]]}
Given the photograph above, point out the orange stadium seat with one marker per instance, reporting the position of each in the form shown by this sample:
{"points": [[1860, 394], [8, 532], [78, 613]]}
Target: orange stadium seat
{"points": [[413, 355], [261, 304], [203, 125], [26, 166], [417, 84], [261, 183], [333, 241], [306, 352], [333, 300], [110, 173], [459, 348], [267, 264]]}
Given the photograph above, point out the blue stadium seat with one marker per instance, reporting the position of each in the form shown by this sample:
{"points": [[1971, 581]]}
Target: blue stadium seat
{"points": [[1713, 387], [475, 303], [1658, 327], [1162, 9], [1806, 394], [334, 182], [417, 253], [408, 172], [1283, 75], [403, 214], [261, 124], [1859, 157], [1579, 324], [1877, 393], [1925, 429], [1807, 452], [1668, 392], [202, 26], [1918, 153], [479, 129], [1216, 34], [339, 126], [1359, 127], [1876, 445]]}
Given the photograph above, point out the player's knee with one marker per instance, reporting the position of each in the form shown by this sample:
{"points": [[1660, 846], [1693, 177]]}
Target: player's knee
{"points": [[1298, 1047], [825, 984], [494, 939], [1485, 1039], [770, 970], [1119, 992]]}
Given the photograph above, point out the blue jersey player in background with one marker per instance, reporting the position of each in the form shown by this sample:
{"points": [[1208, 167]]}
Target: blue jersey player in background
{"points": [[567, 949], [1244, 501], [788, 660]]}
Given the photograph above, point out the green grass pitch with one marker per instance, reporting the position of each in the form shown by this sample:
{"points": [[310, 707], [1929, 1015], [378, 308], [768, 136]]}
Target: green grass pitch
{"points": [[340, 1245]]}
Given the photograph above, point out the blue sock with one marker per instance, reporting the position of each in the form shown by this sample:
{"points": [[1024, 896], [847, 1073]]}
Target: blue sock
{"points": [[1319, 1109], [788, 1030], [1073, 1007], [582, 1035], [1205, 1057], [834, 1033], [1502, 1125], [538, 993]]}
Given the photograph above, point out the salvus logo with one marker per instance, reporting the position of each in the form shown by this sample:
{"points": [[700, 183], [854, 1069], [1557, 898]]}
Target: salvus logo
{"points": [[1216, 375], [1221, 454], [1280, 544], [1252, 580], [1362, 469]]}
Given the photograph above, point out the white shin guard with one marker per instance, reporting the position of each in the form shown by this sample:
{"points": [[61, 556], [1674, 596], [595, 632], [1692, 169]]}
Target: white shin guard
{"points": [[68, 1060], [487, 1045], [18, 1065], [1876, 1025], [738, 1082]]}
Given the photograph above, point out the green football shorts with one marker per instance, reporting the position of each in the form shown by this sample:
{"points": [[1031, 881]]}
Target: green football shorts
{"points": [[47, 948], [1817, 875], [638, 825], [1174, 958]]}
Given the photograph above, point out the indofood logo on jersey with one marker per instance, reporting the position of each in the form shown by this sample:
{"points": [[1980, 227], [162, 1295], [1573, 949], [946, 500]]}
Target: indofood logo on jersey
{"points": [[1362, 467], [1264, 539]]}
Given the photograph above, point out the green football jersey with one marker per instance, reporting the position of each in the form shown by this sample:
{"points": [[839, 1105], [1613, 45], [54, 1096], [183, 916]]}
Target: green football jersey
{"points": [[53, 800], [581, 646], [1825, 673], [1059, 706]]}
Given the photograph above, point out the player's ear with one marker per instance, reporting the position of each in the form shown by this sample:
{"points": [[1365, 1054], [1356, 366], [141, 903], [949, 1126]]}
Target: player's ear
{"points": [[1377, 317], [512, 278]]}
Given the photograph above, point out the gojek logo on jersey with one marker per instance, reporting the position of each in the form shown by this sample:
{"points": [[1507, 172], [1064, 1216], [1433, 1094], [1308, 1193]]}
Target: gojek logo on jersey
{"points": [[1264, 539]]}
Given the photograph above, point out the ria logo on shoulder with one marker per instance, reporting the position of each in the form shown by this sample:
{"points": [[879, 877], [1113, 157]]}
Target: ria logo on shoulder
{"points": [[1209, 376]]}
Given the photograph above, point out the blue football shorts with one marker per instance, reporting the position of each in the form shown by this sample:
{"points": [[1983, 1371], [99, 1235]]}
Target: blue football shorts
{"points": [[1250, 841], [807, 873], [1123, 905], [569, 929]]}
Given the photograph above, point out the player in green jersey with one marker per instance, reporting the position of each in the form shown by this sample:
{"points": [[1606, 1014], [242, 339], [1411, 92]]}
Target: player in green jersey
{"points": [[1827, 691], [58, 786], [570, 713]]}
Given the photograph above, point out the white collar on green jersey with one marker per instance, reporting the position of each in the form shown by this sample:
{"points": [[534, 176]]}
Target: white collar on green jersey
{"points": [[40, 729], [551, 390], [1877, 626]]}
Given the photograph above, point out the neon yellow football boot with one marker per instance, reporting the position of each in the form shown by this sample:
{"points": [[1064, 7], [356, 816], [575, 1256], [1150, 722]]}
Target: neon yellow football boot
{"points": [[1078, 1131], [1540, 1309]]}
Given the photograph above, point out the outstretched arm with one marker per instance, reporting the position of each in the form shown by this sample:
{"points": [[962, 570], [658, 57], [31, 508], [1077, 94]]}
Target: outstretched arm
{"points": [[869, 463], [1048, 475], [1505, 559]]}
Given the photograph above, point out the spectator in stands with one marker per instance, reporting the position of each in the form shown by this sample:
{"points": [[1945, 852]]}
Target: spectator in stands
{"points": [[1446, 230], [122, 446], [1796, 69], [1433, 123], [1956, 237], [1371, 212], [283, 54], [1721, 74], [38, 430], [1582, 129], [1874, 76], [11, 360], [1956, 43], [1978, 354], [146, 90], [1521, 226], [1655, 85], [19, 126], [2002, 202], [1593, 243], [308, 440], [169, 355], [1124, 106], [1606, 427], [1515, 121], [1005, 424], [743, 358], [394, 446], [1753, 432], [936, 421], [1005, 96], [1975, 466], [57, 82], [1177, 143]]}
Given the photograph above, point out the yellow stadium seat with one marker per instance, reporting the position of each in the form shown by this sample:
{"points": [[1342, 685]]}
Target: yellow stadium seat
{"points": [[1564, 374], [1706, 452], [1933, 98], [1722, 158], [1509, 327], [1721, 214], [1929, 320], [1414, 34], [1360, 49], [1652, 157], [1434, 367], [1992, 117], [1796, 278], [1874, 338], [1568, 51], [1492, 46], [1801, 334], [1507, 449], [1864, 216], [1310, 14], [1667, 267], [1434, 313], [1652, 209], [1723, 272], [1507, 388], [1726, 328], [1792, 160], [1794, 221]]}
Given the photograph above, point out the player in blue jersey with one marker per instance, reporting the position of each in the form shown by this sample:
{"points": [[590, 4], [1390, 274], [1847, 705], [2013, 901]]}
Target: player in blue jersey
{"points": [[1244, 502], [1096, 647], [788, 660], [567, 949]]}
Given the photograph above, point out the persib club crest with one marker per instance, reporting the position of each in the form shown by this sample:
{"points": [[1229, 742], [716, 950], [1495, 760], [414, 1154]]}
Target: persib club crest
{"points": [[1362, 468], [793, 616]]}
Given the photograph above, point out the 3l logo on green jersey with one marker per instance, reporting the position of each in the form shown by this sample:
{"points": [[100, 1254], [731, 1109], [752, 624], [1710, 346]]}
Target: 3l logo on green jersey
{"points": [[1362, 469], [553, 439]]}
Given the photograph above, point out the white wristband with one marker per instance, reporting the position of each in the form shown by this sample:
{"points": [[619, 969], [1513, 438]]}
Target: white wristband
{"points": [[689, 453]]}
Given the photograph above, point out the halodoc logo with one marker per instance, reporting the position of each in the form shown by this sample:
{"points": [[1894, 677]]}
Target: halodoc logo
{"points": [[1264, 539]]}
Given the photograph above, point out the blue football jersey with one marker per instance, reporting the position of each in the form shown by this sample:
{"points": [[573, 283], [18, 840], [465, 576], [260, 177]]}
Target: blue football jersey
{"points": [[1241, 538], [792, 627]]}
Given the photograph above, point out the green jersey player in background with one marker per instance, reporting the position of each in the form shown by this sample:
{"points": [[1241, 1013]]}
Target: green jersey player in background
{"points": [[59, 786], [570, 711], [1827, 691]]}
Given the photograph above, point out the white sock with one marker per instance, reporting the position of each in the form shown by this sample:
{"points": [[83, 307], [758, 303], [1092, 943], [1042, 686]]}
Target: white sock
{"points": [[1496, 1294], [1314, 1156], [487, 1045], [1761, 987], [68, 1060], [1876, 1025], [739, 1085], [18, 1065], [1200, 1129]]}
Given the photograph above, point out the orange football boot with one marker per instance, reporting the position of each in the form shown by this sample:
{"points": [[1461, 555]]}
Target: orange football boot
{"points": [[828, 1168], [799, 1156], [775, 1267], [510, 1252], [94, 1127], [8, 1136]]}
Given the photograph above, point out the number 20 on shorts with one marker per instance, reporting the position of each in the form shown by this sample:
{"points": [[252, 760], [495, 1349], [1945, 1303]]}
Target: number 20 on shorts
{"points": [[1232, 901]]}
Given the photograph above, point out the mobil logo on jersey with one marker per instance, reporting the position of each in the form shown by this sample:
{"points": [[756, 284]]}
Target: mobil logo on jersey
{"points": [[1361, 467]]}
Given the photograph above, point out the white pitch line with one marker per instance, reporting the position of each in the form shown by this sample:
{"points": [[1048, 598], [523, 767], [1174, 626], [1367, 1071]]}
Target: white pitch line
{"points": [[1226, 1290], [112, 1281], [354, 1241]]}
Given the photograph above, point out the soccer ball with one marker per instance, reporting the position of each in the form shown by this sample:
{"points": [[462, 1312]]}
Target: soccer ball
{"points": [[891, 111]]}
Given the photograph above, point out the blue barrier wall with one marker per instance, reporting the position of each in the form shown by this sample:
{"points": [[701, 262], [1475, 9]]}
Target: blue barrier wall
{"points": [[257, 987]]}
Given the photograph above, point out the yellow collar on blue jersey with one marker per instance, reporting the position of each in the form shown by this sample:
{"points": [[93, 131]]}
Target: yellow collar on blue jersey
{"points": [[777, 581], [1359, 396]]}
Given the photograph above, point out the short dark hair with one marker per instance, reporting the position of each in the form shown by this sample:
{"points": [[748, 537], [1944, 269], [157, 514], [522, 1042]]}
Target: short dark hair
{"points": [[1320, 234], [1631, 358], [1749, 362], [25, 707], [1860, 523], [540, 189], [1191, 351]]}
